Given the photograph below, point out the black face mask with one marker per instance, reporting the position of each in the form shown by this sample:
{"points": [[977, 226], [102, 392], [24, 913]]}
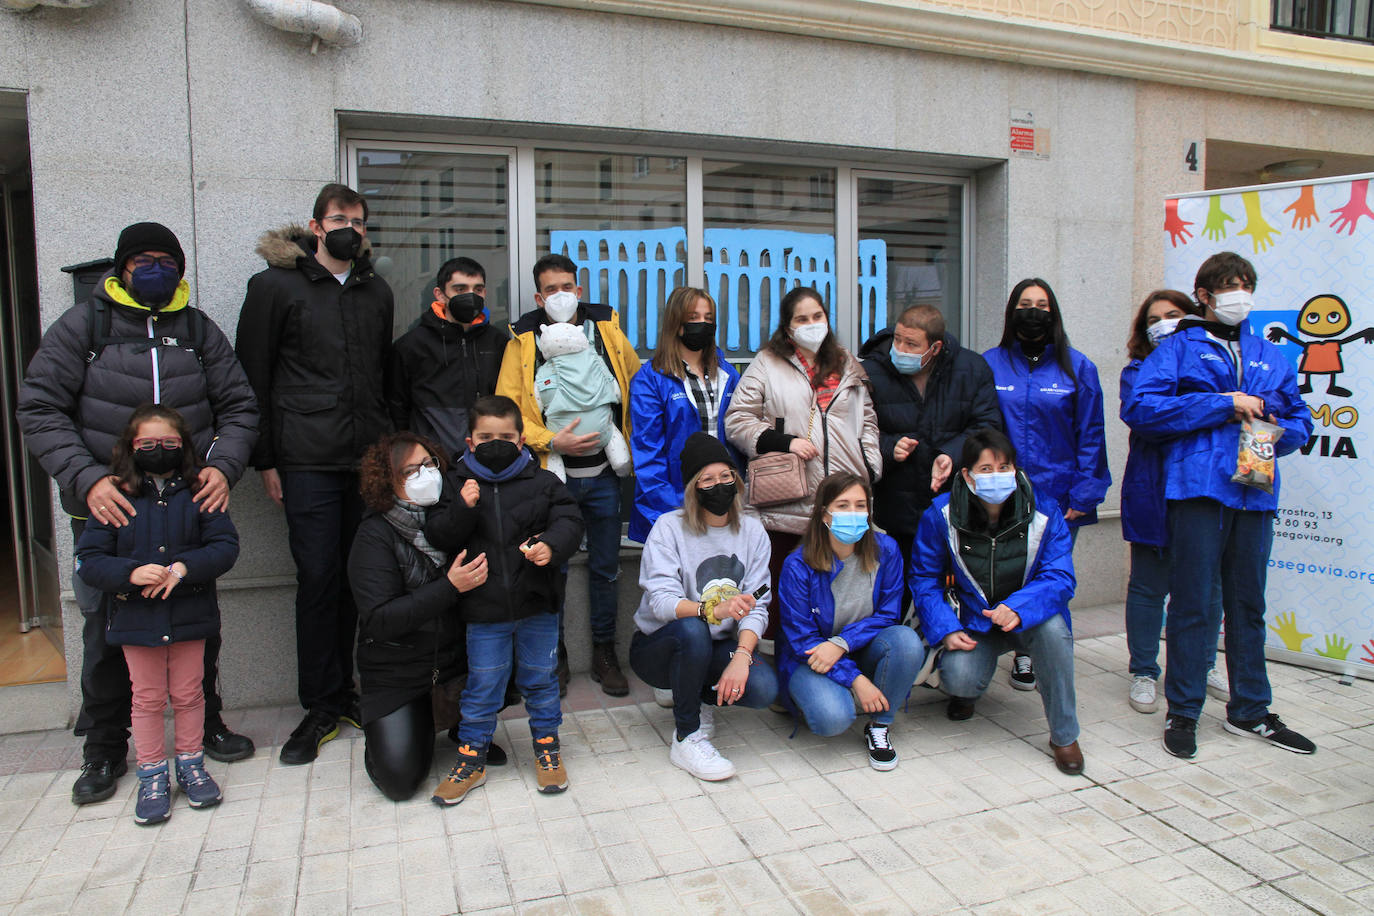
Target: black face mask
{"points": [[718, 499], [496, 454], [344, 243], [157, 460], [1031, 324], [465, 307], [698, 335]]}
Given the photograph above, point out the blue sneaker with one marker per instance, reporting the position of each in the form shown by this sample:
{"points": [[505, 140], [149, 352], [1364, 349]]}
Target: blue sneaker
{"points": [[201, 790], [154, 794]]}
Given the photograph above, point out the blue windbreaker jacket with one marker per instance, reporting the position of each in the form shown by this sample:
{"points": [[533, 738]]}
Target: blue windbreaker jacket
{"points": [[1143, 509], [662, 416], [1056, 424], [1179, 394], [807, 611], [1045, 590]]}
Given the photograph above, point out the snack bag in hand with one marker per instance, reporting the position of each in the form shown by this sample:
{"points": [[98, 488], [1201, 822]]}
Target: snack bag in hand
{"points": [[1255, 456]]}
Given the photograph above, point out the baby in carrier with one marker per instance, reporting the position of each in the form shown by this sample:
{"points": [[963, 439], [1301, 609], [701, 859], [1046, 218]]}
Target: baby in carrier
{"points": [[574, 383]]}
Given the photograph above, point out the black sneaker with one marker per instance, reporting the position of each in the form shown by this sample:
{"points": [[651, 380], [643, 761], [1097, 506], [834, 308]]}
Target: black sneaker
{"points": [[352, 714], [959, 709], [97, 780], [1272, 729], [1180, 736], [881, 756], [226, 746], [315, 729], [1022, 672]]}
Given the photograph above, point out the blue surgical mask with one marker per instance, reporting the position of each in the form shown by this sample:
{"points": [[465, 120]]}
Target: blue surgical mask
{"points": [[848, 527], [1161, 329], [907, 363], [995, 487], [154, 285]]}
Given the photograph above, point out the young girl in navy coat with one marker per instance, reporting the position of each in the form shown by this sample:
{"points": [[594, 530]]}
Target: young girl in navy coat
{"points": [[158, 573]]}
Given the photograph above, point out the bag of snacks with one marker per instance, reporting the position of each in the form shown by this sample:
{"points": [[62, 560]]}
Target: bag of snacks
{"points": [[1255, 456]]}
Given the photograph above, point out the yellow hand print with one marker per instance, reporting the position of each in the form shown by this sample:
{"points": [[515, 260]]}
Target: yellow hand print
{"points": [[1287, 630], [1256, 226], [1336, 647]]}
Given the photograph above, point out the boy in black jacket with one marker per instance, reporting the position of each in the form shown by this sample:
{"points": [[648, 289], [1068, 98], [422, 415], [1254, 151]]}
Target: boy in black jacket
{"points": [[498, 503]]}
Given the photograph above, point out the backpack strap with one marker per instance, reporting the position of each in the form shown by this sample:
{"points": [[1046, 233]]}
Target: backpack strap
{"points": [[98, 323]]}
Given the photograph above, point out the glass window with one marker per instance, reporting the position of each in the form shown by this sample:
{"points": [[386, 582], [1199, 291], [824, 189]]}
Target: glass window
{"points": [[623, 219], [413, 233], [910, 251], [767, 228]]}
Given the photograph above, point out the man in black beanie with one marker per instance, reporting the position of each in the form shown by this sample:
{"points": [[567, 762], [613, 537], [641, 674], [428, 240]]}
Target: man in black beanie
{"points": [[138, 339]]}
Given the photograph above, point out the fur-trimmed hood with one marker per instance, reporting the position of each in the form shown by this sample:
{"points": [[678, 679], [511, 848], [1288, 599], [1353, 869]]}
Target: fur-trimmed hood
{"points": [[281, 247]]}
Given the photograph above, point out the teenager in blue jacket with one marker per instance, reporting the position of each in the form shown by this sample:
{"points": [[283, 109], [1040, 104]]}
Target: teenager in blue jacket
{"points": [[841, 596], [1011, 555], [1052, 404], [1143, 522], [683, 389], [1196, 390]]}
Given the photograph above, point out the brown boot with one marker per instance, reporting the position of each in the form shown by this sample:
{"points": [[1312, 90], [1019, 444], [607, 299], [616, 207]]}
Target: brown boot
{"points": [[606, 670], [1069, 759], [467, 774], [548, 766]]}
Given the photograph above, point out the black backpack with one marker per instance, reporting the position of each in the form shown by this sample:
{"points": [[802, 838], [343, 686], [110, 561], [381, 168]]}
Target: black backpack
{"points": [[98, 322]]}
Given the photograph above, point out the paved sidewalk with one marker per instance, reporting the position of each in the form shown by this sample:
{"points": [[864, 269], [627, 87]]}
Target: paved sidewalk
{"points": [[976, 819]]}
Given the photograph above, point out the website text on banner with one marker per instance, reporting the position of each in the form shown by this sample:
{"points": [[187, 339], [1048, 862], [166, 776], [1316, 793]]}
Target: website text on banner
{"points": [[1312, 245]]}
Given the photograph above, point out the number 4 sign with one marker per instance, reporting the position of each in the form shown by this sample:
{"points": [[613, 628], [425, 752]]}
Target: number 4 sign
{"points": [[1192, 156]]}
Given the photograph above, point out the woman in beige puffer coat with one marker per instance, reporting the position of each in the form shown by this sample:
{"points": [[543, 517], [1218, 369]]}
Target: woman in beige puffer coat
{"points": [[819, 391]]}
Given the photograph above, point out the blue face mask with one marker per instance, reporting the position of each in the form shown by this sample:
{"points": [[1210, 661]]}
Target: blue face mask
{"points": [[848, 527], [154, 285], [907, 363], [995, 487]]}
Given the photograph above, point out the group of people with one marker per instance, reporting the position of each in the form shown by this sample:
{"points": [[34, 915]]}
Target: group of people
{"points": [[435, 488]]}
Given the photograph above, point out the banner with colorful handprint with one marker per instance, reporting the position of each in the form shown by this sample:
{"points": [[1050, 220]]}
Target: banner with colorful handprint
{"points": [[1312, 244]]}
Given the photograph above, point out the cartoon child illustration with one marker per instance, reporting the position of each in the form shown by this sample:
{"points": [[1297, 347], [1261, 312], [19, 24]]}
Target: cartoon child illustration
{"points": [[1322, 317]]}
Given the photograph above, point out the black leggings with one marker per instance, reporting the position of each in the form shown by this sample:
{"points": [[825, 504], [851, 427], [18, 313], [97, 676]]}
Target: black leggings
{"points": [[399, 748]]}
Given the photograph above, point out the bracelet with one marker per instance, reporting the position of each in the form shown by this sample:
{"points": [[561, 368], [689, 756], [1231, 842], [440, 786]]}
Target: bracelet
{"points": [[739, 649], [179, 576], [701, 609]]}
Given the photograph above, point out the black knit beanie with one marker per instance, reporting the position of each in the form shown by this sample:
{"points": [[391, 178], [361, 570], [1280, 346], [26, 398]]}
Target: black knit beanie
{"points": [[141, 237], [701, 450]]}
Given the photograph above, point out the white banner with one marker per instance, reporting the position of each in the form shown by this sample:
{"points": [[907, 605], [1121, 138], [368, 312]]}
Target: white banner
{"points": [[1312, 245]]}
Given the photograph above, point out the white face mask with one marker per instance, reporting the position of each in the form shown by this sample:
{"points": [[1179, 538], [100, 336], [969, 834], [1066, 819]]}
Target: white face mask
{"points": [[1233, 306], [1161, 329], [810, 336], [423, 488], [560, 306]]}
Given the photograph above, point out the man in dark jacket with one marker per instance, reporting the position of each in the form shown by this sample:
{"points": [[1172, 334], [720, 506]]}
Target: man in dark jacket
{"points": [[450, 358], [314, 337], [929, 393], [138, 340]]}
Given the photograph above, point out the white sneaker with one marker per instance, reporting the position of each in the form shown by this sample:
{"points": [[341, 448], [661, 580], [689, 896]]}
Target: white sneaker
{"points": [[1143, 694], [663, 697], [708, 721], [1217, 685], [698, 756]]}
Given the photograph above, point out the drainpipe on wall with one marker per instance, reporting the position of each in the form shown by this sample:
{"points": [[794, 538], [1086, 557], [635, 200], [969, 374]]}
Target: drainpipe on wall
{"points": [[20, 6], [309, 17]]}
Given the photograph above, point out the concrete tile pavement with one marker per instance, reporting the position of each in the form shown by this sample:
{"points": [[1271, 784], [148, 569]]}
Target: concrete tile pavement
{"points": [[976, 819]]}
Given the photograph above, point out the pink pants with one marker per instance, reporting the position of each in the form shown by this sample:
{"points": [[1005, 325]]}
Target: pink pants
{"points": [[156, 672]]}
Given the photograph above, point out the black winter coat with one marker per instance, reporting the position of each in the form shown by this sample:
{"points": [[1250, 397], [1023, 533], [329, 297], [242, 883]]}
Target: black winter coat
{"points": [[72, 412], [409, 633], [534, 502], [960, 397], [168, 527], [316, 352], [438, 369]]}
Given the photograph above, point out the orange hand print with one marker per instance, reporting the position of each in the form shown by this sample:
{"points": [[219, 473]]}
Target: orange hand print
{"points": [[1304, 209], [1174, 224], [1256, 226], [1350, 214]]}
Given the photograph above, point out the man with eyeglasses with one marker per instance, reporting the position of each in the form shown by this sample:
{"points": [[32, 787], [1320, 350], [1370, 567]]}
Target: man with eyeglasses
{"points": [[137, 340], [314, 337]]}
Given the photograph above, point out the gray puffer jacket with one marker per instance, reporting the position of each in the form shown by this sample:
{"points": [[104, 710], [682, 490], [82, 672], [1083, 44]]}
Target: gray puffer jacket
{"points": [[72, 412]]}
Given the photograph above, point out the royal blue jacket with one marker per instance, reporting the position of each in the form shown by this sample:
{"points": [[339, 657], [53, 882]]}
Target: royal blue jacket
{"points": [[168, 527], [1180, 395], [1046, 586], [662, 416], [807, 611], [1056, 424], [1143, 507]]}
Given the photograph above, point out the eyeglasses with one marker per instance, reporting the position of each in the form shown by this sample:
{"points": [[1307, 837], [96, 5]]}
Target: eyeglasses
{"points": [[705, 483], [338, 219], [412, 471], [147, 260], [147, 445]]}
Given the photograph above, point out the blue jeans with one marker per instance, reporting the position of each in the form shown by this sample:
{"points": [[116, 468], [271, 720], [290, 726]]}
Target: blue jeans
{"points": [[967, 674], [1145, 595], [891, 661], [535, 641], [1217, 547], [683, 657], [599, 499]]}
